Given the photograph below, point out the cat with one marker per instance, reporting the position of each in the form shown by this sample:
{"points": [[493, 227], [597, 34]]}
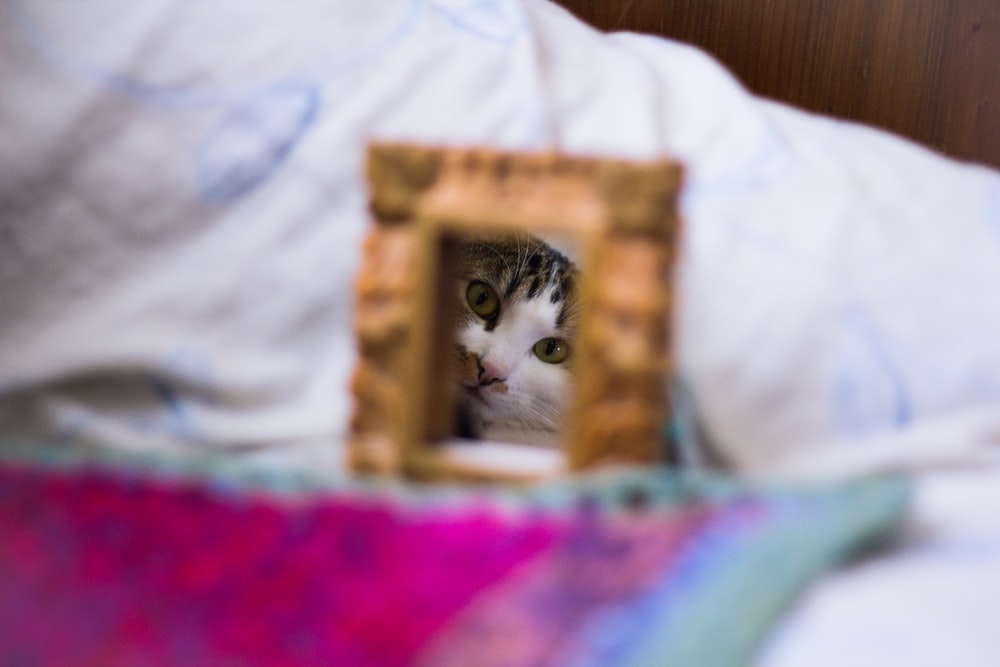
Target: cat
{"points": [[517, 313]]}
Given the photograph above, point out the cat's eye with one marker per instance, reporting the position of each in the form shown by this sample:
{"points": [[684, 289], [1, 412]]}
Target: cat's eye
{"points": [[483, 300], [552, 350]]}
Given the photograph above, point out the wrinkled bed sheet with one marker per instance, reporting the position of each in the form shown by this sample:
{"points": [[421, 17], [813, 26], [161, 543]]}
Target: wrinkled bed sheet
{"points": [[931, 599], [182, 206]]}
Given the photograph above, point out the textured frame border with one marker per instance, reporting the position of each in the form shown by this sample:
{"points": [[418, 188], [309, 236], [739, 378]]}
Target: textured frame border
{"points": [[622, 214]]}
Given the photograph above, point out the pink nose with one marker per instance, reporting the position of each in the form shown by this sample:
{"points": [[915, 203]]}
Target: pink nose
{"points": [[488, 374]]}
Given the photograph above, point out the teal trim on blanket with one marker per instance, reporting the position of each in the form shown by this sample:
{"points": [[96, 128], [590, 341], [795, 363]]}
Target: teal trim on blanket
{"points": [[773, 570], [613, 489]]}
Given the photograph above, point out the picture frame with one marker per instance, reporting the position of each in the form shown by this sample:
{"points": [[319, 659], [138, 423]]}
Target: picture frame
{"points": [[621, 215]]}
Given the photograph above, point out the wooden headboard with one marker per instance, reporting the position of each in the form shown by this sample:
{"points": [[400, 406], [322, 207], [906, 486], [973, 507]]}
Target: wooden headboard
{"points": [[925, 69]]}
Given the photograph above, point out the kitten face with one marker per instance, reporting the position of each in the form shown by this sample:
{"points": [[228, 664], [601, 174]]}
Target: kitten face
{"points": [[517, 314]]}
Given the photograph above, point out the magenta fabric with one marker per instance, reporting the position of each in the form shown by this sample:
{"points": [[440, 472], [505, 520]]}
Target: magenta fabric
{"points": [[100, 571], [113, 567]]}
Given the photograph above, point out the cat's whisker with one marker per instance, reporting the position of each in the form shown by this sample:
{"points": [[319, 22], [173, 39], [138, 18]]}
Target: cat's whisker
{"points": [[540, 414]]}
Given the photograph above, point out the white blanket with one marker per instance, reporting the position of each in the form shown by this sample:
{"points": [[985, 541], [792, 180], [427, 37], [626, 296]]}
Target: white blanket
{"points": [[182, 205]]}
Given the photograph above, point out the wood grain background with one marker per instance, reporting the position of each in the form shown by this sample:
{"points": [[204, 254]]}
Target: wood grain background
{"points": [[925, 69]]}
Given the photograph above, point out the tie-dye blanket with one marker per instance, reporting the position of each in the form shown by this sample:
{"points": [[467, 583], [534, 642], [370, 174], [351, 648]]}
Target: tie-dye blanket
{"points": [[110, 564]]}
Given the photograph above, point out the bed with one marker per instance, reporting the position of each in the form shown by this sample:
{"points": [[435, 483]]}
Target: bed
{"points": [[182, 208]]}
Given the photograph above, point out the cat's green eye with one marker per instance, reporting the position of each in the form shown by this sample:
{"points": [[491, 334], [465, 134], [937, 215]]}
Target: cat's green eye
{"points": [[552, 350], [483, 300]]}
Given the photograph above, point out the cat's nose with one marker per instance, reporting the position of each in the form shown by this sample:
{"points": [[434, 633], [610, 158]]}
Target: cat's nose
{"points": [[488, 374]]}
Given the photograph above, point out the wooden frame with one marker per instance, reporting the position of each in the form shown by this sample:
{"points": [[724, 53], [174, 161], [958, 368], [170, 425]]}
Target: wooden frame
{"points": [[622, 216]]}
